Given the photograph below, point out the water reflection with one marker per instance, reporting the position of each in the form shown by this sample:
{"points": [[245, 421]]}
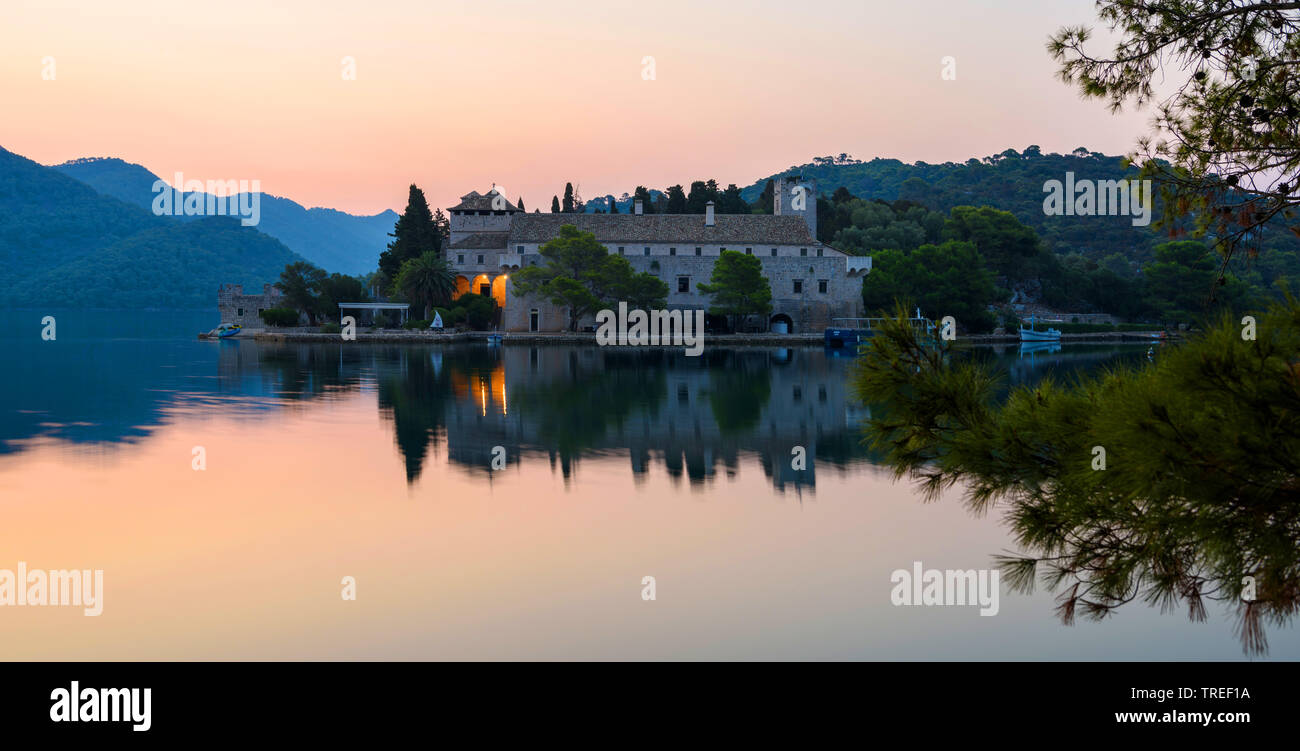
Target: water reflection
{"points": [[694, 416]]}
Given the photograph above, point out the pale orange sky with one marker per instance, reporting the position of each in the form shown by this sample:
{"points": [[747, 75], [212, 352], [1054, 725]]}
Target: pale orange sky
{"points": [[457, 95]]}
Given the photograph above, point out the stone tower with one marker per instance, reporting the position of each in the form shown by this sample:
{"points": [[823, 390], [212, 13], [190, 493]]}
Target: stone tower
{"points": [[796, 196]]}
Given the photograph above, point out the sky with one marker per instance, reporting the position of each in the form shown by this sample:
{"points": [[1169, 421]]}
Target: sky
{"points": [[458, 96]]}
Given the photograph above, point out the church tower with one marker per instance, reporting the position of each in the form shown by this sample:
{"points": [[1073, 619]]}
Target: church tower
{"points": [[796, 196]]}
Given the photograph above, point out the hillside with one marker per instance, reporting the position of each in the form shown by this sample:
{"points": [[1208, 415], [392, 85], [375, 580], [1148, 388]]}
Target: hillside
{"points": [[331, 239], [64, 244], [1010, 181]]}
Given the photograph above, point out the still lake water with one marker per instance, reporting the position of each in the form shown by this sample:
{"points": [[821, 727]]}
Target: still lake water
{"points": [[373, 461]]}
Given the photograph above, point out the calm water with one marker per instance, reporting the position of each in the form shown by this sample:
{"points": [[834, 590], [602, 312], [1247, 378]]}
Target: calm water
{"points": [[375, 462]]}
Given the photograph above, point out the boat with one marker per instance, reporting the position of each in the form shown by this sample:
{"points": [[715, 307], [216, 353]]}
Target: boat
{"points": [[495, 338], [851, 332], [228, 330], [1029, 335]]}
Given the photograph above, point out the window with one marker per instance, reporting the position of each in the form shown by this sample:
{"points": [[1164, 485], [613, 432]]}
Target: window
{"points": [[798, 286], [672, 251], [480, 259], [819, 252], [460, 258], [821, 286], [519, 249], [241, 312], [620, 250], [803, 251], [749, 251], [697, 251], [773, 252], [683, 284], [647, 250]]}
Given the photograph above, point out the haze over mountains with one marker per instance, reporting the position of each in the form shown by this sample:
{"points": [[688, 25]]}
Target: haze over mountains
{"points": [[334, 240], [63, 244]]}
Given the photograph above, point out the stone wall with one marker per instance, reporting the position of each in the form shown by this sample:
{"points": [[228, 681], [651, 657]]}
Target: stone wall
{"points": [[237, 307]]}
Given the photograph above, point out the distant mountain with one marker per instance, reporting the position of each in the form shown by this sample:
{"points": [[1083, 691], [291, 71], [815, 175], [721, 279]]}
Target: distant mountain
{"points": [[64, 244], [334, 240]]}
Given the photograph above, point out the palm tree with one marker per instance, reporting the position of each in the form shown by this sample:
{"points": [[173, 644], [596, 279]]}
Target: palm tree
{"points": [[426, 279]]}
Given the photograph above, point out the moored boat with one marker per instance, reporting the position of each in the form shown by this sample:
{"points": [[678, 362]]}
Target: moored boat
{"points": [[1030, 335]]}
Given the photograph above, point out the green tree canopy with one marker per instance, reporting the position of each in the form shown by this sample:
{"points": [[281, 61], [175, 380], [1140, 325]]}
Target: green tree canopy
{"points": [[337, 288], [300, 281], [1010, 248], [944, 280], [581, 275], [737, 287]]}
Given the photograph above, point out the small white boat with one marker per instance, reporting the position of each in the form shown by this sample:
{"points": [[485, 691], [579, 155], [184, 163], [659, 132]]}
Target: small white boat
{"points": [[494, 338], [1029, 335]]}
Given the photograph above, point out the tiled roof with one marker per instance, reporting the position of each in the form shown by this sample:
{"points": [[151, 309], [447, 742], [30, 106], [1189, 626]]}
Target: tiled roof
{"points": [[473, 201], [685, 229], [481, 241]]}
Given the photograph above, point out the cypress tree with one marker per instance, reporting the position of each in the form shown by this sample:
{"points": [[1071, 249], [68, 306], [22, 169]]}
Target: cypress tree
{"points": [[414, 234]]}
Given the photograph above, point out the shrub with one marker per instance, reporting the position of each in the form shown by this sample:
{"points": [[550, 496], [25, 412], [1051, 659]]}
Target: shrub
{"points": [[421, 323], [479, 309], [279, 317], [331, 328]]}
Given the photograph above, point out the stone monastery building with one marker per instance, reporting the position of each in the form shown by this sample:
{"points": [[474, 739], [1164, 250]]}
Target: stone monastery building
{"points": [[811, 282]]}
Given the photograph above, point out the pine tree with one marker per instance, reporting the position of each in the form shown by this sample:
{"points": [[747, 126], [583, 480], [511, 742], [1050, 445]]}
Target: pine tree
{"points": [[613, 205], [1176, 482], [555, 204], [676, 200], [520, 203], [568, 198], [647, 204]]}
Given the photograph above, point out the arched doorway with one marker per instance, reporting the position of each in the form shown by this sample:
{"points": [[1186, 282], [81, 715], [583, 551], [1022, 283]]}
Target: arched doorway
{"points": [[462, 285], [481, 285], [781, 324], [499, 289]]}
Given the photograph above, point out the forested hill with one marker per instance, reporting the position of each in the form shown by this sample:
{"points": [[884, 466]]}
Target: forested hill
{"points": [[335, 240], [63, 244], [1011, 181]]}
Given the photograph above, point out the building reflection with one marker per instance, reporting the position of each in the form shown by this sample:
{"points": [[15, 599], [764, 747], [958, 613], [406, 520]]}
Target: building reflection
{"points": [[696, 417]]}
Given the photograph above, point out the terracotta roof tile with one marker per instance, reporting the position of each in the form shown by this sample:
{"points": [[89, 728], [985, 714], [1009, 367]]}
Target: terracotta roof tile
{"points": [[683, 229]]}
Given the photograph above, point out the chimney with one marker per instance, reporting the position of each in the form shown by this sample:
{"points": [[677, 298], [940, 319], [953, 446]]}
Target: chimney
{"points": [[639, 208], [708, 214]]}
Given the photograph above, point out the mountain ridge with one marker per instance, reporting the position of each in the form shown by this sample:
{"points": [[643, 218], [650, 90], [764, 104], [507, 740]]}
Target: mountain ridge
{"points": [[330, 238]]}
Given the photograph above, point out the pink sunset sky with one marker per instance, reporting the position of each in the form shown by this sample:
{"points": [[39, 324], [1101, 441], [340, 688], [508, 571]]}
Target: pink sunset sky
{"points": [[455, 96]]}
